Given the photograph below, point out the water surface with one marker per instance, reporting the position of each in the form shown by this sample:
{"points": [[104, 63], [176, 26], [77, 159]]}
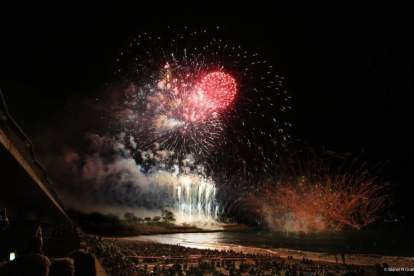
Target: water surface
{"points": [[385, 243]]}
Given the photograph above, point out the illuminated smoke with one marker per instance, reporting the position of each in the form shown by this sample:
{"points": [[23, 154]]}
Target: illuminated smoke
{"points": [[108, 175]]}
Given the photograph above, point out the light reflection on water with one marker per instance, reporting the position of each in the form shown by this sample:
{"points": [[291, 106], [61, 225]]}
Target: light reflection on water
{"points": [[397, 243]]}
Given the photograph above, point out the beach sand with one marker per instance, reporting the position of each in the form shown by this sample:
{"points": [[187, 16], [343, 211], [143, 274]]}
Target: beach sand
{"points": [[366, 261]]}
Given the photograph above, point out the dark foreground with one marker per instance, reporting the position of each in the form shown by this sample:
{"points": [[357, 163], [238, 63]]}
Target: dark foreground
{"points": [[120, 257]]}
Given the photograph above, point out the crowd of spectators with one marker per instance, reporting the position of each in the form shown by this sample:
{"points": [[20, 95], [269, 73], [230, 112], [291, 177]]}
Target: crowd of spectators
{"points": [[34, 262], [132, 258], [137, 258]]}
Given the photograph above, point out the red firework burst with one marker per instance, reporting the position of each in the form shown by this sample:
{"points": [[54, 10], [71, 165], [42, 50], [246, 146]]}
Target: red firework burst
{"points": [[218, 89]]}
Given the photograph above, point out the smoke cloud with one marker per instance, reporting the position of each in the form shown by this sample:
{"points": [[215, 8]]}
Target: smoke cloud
{"points": [[98, 168]]}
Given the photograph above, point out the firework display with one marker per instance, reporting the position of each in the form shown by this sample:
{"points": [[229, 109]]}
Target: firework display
{"points": [[211, 116], [319, 193], [191, 93], [189, 99]]}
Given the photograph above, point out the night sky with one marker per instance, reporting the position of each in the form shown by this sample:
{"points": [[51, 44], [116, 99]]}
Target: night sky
{"points": [[349, 68]]}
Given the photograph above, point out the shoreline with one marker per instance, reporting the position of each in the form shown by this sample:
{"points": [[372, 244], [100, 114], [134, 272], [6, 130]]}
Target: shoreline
{"points": [[370, 269], [364, 260], [147, 230]]}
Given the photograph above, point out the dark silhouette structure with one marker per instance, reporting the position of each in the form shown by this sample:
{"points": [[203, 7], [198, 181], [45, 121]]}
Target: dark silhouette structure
{"points": [[26, 193]]}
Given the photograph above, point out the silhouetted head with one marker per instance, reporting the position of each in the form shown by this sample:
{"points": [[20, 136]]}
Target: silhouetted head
{"points": [[62, 267], [84, 263], [30, 264], [35, 245]]}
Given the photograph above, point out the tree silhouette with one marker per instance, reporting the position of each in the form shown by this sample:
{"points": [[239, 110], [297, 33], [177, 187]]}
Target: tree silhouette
{"points": [[130, 217], [168, 216]]}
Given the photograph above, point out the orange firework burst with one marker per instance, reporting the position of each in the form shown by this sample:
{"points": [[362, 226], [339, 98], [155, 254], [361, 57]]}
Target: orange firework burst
{"points": [[320, 193]]}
